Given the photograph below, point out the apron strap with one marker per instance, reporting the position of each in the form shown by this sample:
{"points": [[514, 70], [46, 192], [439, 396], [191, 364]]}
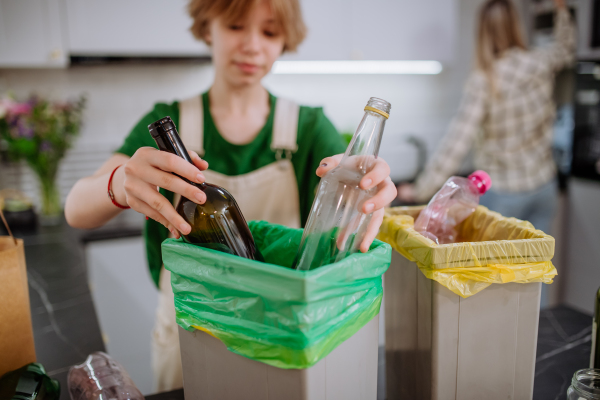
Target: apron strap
{"points": [[285, 126], [191, 124]]}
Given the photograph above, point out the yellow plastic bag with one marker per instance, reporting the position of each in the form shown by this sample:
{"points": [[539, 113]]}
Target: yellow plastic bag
{"points": [[490, 249]]}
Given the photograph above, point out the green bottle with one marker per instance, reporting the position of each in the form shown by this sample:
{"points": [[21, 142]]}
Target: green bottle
{"points": [[218, 224], [595, 356]]}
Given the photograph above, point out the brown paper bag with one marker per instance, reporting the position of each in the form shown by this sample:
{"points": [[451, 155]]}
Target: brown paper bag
{"points": [[16, 334]]}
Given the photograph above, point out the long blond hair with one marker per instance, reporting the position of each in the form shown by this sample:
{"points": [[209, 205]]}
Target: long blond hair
{"points": [[499, 30]]}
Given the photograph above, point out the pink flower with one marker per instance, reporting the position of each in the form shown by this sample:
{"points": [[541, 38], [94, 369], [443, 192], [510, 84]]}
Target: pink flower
{"points": [[5, 105], [19, 108]]}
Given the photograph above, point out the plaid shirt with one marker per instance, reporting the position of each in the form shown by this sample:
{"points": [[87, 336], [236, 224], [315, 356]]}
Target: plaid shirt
{"points": [[510, 129]]}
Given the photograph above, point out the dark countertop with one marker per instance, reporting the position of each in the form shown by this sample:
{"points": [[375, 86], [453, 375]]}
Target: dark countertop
{"points": [[64, 320], [66, 328], [564, 346]]}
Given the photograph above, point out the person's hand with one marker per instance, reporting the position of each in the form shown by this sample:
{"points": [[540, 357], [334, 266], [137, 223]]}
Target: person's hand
{"points": [[559, 4], [147, 170], [406, 193], [378, 176]]}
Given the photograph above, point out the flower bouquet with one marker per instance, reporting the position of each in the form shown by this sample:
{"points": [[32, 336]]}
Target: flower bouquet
{"points": [[40, 132]]}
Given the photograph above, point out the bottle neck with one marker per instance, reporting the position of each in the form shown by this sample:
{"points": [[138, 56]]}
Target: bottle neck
{"points": [[170, 142], [364, 147], [175, 145]]}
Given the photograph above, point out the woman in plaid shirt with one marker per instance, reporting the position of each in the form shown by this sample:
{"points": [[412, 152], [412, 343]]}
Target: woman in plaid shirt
{"points": [[507, 114]]}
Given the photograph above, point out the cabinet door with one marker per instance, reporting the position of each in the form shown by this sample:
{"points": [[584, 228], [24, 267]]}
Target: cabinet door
{"points": [[378, 30], [131, 28], [328, 36], [30, 34], [403, 29]]}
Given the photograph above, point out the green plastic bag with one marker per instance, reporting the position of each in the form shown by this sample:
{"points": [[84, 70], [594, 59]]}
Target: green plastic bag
{"points": [[267, 311]]}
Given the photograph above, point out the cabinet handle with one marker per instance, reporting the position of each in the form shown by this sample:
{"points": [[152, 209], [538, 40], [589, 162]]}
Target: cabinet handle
{"points": [[55, 55]]}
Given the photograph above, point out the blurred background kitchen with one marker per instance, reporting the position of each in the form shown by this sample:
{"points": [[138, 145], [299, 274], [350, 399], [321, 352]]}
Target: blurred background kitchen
{"points": [[126, 55]]}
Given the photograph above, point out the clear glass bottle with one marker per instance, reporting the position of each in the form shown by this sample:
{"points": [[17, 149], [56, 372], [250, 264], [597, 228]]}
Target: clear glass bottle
{"points": [[336, 225], [585, 385], [217, 224]]}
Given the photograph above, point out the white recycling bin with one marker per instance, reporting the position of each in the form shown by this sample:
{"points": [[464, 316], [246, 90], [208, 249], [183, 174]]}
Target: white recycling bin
{"points": [[445, 345], [210, 371]]}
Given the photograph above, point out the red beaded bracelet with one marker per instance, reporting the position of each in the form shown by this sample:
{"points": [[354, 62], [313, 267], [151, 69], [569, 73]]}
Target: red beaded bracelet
{"points": [[111, 195]]}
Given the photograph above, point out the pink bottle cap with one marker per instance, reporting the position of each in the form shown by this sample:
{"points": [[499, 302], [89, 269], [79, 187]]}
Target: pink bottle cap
{"points": [[482, 181]]}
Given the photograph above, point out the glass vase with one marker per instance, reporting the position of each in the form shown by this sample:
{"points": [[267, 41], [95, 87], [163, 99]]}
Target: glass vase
{"points": [[51, 214]]}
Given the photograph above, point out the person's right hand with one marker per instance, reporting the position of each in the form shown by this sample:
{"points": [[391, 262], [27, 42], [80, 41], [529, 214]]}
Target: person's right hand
{"points": [[147, 170]]}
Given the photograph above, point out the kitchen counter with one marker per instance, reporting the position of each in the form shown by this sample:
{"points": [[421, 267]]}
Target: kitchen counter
{"points": [[66, 327], [64, 320], [564, 346], [65, 324]]}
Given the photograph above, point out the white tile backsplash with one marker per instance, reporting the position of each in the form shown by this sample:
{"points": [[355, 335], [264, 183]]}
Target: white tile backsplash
{"points": [[118, 96]]}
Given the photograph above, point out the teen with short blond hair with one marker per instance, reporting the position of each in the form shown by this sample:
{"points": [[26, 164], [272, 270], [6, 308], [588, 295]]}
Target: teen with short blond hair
{"points": [[263, 149], [286, 13]]}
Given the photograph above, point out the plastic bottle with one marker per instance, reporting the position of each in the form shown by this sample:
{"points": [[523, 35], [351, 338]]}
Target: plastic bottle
{"points": [[100, 377], [451, 205], [336, 225]]}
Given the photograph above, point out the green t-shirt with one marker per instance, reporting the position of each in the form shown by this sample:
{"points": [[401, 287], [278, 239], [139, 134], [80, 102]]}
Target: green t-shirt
{"points": [[317, 139]]}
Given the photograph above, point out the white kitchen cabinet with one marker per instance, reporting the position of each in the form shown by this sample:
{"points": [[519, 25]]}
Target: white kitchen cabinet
{"points": [[40, 33], [379, 30], [337, 29], [329, 30], [31, 34], [131, 28], [404, 29]]}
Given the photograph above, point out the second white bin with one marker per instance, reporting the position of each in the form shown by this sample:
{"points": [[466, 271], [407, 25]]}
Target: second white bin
{"points": [[440, 346], [461, 319]]}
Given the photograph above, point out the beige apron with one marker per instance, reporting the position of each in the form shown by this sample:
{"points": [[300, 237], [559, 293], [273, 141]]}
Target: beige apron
{"points": [[269, 193]]}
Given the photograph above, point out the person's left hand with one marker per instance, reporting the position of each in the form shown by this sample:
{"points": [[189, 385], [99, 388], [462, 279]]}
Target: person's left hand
{"points": [[379, 177]]}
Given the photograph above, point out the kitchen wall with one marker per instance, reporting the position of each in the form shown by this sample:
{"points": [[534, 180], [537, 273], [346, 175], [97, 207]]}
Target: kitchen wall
{"points": [[119, 95]]}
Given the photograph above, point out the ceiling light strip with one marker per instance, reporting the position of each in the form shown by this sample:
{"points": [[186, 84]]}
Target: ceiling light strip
{"points": [[412, 67]]}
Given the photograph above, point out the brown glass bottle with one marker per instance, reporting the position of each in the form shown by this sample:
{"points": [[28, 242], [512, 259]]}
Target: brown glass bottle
{"points": [[217, 224]]}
